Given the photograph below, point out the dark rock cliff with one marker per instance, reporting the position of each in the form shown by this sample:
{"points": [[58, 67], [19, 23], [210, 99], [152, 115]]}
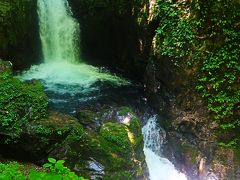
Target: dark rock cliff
{"points": [[19, 37], [115, 33]]}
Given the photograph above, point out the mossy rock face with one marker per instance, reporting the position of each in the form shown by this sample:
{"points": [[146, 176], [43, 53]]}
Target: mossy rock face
{"points": [[89, 119], [20, 103], [57, 135], [116, 146], [116, 151], [116, 138], [184, 154]]}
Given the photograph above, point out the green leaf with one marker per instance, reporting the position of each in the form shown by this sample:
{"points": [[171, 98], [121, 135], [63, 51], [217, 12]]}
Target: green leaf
{"points": [[52, 160], [47, 165], [60, 162]]}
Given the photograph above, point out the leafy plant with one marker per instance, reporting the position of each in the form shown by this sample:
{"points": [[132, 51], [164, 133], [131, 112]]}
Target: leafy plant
{"points": [[218, 78], [57, 171], [54, 170], [11, 171]]}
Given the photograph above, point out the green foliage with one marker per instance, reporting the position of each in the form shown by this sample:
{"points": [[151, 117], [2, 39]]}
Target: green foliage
{"points": [[54, 170], [174, 34], [116, 137], [208, 34], [19, 104], [11, 171], [219, 81], [219, 75], [57, 171]]}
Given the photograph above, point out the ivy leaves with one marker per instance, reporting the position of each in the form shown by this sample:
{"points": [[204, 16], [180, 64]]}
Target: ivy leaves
{"points": [[175, 34], [210, 38]]}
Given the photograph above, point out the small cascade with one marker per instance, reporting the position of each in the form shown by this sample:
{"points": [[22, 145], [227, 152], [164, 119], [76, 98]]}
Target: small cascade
{"points": [[159, 168]]}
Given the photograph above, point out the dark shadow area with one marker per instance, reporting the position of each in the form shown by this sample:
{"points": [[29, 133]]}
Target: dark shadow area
{"points": [[110, 35], [19, 34]]}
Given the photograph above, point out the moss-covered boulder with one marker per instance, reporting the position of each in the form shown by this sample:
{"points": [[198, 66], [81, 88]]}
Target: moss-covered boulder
{"points": [[117, 145], [20, 103], [52, 136]]}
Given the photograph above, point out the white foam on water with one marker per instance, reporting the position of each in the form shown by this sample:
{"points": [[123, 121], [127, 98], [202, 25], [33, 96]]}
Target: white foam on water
{"points": [[70, 78]]}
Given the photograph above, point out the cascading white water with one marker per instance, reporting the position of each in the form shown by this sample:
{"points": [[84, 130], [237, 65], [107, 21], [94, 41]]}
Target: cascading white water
{"points": [[62, 70], [58, 31], [159, 168]]}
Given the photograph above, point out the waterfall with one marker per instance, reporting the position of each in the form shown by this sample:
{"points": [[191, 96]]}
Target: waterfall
{"points": [[159, 168], [67, 81], [58, 31]]}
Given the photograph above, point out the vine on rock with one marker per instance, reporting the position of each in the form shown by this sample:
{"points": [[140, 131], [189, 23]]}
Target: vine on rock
{"points": [[207, 34]]}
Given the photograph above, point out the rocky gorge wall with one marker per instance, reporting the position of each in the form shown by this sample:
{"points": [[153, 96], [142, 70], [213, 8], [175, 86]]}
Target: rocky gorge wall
{"points": [[19, 37], [115, 33], [171, 81]]}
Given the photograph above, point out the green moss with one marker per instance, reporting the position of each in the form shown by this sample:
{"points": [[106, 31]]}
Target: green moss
{"points": [[115, 136], [107, 155], [20, 103], [135, 128], [77, 134], [114, 150]]}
